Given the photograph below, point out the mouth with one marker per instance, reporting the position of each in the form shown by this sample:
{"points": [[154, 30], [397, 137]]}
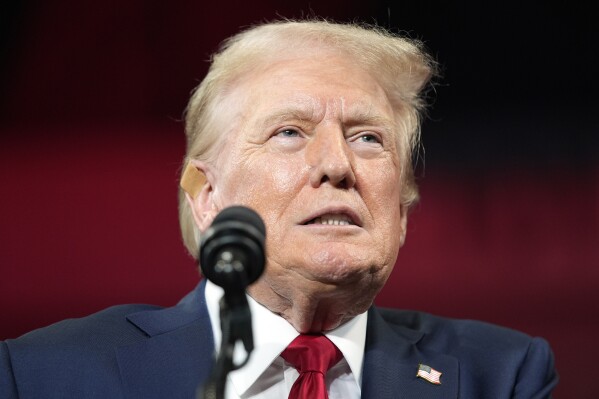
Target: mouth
{"points": [[331, 220], [336, 217]]}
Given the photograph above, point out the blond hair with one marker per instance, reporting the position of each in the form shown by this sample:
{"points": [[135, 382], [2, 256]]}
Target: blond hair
{"points": [[399, 64]]}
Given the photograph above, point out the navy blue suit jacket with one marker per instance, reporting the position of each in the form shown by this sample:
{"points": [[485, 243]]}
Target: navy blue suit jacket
{"points": [[142, 351]]}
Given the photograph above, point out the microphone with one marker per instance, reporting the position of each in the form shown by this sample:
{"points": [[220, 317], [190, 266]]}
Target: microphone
{"points": [[232, 256], [232, 249]]}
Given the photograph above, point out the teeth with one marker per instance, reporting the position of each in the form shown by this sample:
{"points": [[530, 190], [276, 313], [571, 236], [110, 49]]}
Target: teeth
{"points": [[333, 220]]}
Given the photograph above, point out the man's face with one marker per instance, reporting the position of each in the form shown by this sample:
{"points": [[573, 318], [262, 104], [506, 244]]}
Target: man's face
{"points": [[312, 146]]}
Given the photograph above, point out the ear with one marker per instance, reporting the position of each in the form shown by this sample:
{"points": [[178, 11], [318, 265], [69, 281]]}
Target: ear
{"points": [[403, 223], [198, 184]]}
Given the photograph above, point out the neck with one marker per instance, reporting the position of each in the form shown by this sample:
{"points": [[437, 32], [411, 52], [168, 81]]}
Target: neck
{"points": [[313, 307]]}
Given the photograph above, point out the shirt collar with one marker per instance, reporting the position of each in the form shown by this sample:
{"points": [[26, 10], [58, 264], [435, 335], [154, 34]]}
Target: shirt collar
{"points": [[272, 334]]}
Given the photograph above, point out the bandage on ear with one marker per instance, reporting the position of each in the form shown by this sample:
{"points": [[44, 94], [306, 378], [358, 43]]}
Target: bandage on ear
{"points": [[192, 180]]}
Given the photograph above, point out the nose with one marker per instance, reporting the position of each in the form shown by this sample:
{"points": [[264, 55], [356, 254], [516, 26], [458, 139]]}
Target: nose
{"points": [[330, 159]]}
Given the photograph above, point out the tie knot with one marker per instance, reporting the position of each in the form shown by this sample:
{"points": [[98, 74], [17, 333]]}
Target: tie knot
{"points": [[314, 353]]}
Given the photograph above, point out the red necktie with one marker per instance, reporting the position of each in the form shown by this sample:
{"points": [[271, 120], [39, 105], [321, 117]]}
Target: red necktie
{"points": [[312, 356]]}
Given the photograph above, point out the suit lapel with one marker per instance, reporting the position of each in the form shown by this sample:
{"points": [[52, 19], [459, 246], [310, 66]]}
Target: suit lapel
{"points": [[391, 360], [177, 354]]}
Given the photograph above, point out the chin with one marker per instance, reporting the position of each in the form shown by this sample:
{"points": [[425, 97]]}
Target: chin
{"points": [[339, 267]]}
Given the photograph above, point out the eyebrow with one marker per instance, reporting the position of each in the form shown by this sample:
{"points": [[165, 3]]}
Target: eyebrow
{"points": [[288, 113], [361, 117], [368, 119]]}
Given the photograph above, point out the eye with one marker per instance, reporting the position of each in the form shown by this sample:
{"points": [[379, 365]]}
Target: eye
{"points": [[366, 144], [287, 139], [369, 138], [288, 133]]}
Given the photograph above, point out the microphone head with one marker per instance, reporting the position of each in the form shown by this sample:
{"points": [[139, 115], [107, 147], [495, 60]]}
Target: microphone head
{"points": [[241, 214], [232, 249]]}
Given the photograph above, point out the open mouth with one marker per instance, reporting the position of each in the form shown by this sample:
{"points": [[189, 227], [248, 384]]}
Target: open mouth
{"points": [[332, 220]]}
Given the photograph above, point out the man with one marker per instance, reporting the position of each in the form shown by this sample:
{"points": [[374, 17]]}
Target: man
{"points": [[312, 124]]}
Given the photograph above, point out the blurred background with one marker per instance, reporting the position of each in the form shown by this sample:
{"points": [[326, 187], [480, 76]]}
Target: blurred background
{"points": [[91, 101]]}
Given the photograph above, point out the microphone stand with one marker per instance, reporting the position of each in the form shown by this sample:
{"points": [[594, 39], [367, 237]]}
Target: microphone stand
{"points": [[232, 256], [236, 325]]}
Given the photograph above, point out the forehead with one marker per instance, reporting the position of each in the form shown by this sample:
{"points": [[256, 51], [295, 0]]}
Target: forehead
{"points": [[307, 87]]}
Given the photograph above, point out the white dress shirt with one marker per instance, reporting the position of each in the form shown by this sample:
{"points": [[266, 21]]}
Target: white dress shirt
{"points": [[267, 375]]}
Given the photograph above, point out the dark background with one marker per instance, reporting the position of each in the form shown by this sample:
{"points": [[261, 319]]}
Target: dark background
{"points": [[91, 98]]}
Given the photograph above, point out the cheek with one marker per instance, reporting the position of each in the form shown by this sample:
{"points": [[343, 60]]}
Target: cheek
{"points": [[385, 188], [384, 197], [284, 176], [276, 194], [273, 184], [268, 185]]}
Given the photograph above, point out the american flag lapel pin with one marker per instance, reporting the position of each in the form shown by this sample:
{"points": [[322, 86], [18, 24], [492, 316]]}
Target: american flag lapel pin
{"points": [[429, 374]]}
